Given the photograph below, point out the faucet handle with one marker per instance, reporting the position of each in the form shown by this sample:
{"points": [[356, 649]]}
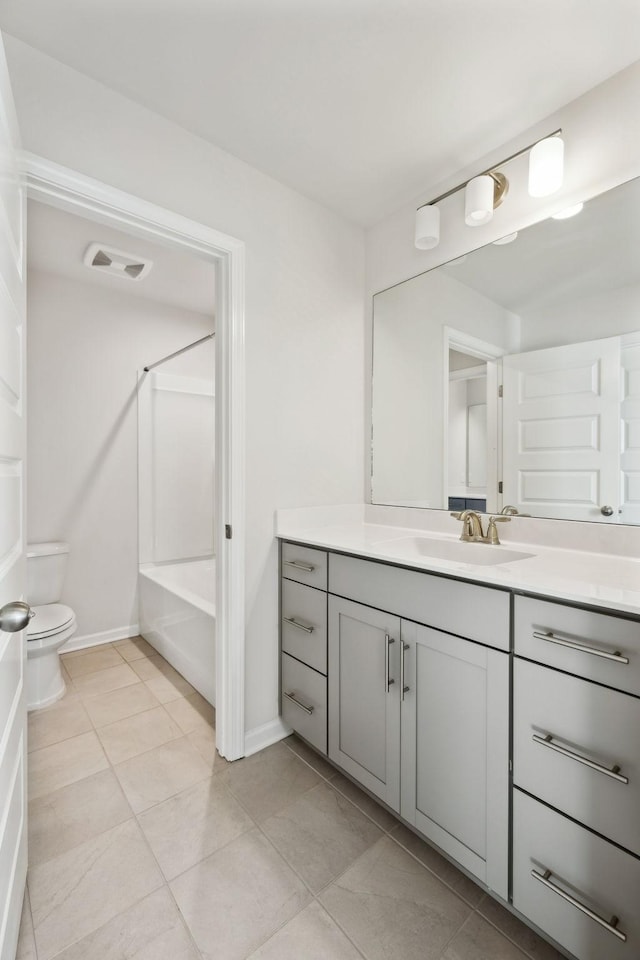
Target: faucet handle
{"points": [[492, 533]]}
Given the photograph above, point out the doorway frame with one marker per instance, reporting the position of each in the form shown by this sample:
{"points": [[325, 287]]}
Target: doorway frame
{"points": [[74, 192], [491, 354]]}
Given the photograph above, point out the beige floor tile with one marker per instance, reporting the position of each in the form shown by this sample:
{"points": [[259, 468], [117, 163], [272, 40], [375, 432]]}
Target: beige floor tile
{"points": [[384, 819], [66, 718], [449, 874], [105, 680], [164, 682], [192, 713], [236, 898], [319, 764], [76, 893], [390, 906], [135, 648], [118, 704], [312, 935], [135, 735], [76, 813], [321, 835], [161, 773], [192, 825], [478, 940], [150, 930], [533, 945], [205, 743], [82, 663], [267, 782], [62, 763], [26, 940]]}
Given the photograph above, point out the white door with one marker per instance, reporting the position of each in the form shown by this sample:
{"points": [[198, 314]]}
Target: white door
{"points": [[561, 431], [13, 847], [630, 413]]}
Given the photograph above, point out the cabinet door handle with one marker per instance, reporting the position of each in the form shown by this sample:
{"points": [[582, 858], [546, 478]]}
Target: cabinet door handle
{"points": [[610, 925], [298, 703], [403, 649], [296, 623], [613, 772], [387, 653], [307, 567], [582, 647]]}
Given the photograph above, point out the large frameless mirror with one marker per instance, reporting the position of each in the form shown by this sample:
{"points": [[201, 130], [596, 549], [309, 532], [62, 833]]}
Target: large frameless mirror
{"points": [[509, 379]]}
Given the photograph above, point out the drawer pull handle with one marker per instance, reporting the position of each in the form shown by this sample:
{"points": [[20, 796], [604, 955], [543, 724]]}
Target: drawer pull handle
{"points": [[582, 647], [296, 623], [298, 703], [306, 567], [387, 652], [613, 772], [610, 925]]}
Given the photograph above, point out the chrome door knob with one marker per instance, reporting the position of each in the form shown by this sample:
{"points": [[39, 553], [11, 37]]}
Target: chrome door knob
{"points": [[15, 616], [606, 511]]}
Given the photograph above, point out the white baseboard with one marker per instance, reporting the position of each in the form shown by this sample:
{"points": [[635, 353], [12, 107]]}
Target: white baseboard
{"points": [[95, 639], [264, 736]]}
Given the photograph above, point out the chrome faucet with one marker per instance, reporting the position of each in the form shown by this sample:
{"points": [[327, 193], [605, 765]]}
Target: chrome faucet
{"points": [[472, 531]]}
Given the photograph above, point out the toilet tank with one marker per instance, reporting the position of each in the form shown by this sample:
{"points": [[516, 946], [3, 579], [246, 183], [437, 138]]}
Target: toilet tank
{"points": [[46, 567]]}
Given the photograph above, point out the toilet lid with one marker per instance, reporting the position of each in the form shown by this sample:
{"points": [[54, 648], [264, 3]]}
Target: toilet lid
{"points": [[49, 618]]}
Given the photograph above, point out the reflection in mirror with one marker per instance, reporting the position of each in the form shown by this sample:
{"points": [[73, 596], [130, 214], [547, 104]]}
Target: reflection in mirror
{"points": [[511, 376]]}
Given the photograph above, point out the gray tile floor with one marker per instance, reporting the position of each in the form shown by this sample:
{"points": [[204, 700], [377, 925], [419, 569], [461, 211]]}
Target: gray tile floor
{"points": [[145, 845]]}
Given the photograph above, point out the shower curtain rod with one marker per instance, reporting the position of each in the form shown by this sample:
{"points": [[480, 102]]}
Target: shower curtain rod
{"points": [[178, 352]]}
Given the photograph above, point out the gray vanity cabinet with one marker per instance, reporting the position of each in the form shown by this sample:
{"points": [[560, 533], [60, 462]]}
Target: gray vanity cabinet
{"points": [[364, 696], [455, 749]]}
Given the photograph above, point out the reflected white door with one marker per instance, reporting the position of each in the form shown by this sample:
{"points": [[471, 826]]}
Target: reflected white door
{"points": [[561, 431], [630, 414], [13, 847]]}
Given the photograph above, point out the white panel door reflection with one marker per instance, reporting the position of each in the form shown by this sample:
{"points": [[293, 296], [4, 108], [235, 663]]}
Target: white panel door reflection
{"points": [[562, 431]]}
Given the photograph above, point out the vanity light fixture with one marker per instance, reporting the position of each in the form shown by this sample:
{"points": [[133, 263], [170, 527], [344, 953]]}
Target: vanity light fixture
{"points": [[486, 191], [510, 237], [568, 212]]}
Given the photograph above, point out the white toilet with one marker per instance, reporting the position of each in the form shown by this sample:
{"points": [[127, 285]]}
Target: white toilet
{"points": [[52, 624]]}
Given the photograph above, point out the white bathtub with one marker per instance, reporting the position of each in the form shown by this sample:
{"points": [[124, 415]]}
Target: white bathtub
{"points": [[178, 618]]}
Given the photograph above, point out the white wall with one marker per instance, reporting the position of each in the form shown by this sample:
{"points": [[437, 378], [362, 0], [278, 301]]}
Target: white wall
{"points": [[84, 348], [304, 309], [590, 318], [601, 131]]}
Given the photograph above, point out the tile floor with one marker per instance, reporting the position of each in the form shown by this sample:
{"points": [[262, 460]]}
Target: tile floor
{"points": [[145, 845]]}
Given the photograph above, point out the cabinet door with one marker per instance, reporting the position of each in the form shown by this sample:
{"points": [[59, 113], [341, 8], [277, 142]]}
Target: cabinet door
{"points": [[455, 749], [364, 695]]}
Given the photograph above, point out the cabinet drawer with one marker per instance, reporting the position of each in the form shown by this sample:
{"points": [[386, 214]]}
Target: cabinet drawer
{"points": [[586, 722], [304, 702], [304, 624], [305, 565], [609, 642], [595, 874], [478, 613]]}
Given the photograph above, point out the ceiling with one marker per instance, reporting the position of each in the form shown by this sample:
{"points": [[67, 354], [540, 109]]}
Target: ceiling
{"points": [[360, 104], [57, 242]]}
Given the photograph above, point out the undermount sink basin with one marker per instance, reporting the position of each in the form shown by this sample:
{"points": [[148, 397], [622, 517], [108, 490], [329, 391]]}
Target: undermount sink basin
{"points": [[459, 551]]}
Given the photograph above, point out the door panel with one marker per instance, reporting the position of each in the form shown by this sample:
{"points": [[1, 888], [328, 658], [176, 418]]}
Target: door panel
{"points": [[455, 749], [364, 715], [13, 848], [561, 430]]}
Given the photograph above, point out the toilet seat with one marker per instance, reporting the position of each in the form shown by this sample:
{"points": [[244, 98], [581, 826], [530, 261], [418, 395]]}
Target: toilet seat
{"points": [[49, 620]]}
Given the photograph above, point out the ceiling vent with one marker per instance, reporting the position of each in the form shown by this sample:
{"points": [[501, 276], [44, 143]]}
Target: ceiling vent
{"points": [[117, 262]]}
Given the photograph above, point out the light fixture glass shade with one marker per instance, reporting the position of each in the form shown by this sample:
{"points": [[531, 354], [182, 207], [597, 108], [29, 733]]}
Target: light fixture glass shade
{"points": [[427, 227], [478, 201], [546, 167]]}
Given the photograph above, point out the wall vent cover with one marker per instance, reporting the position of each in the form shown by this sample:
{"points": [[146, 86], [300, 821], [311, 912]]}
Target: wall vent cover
{"points": [[107, 260]]}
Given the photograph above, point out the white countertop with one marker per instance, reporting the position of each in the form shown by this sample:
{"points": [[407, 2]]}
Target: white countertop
{"points": [[580, 576]]}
